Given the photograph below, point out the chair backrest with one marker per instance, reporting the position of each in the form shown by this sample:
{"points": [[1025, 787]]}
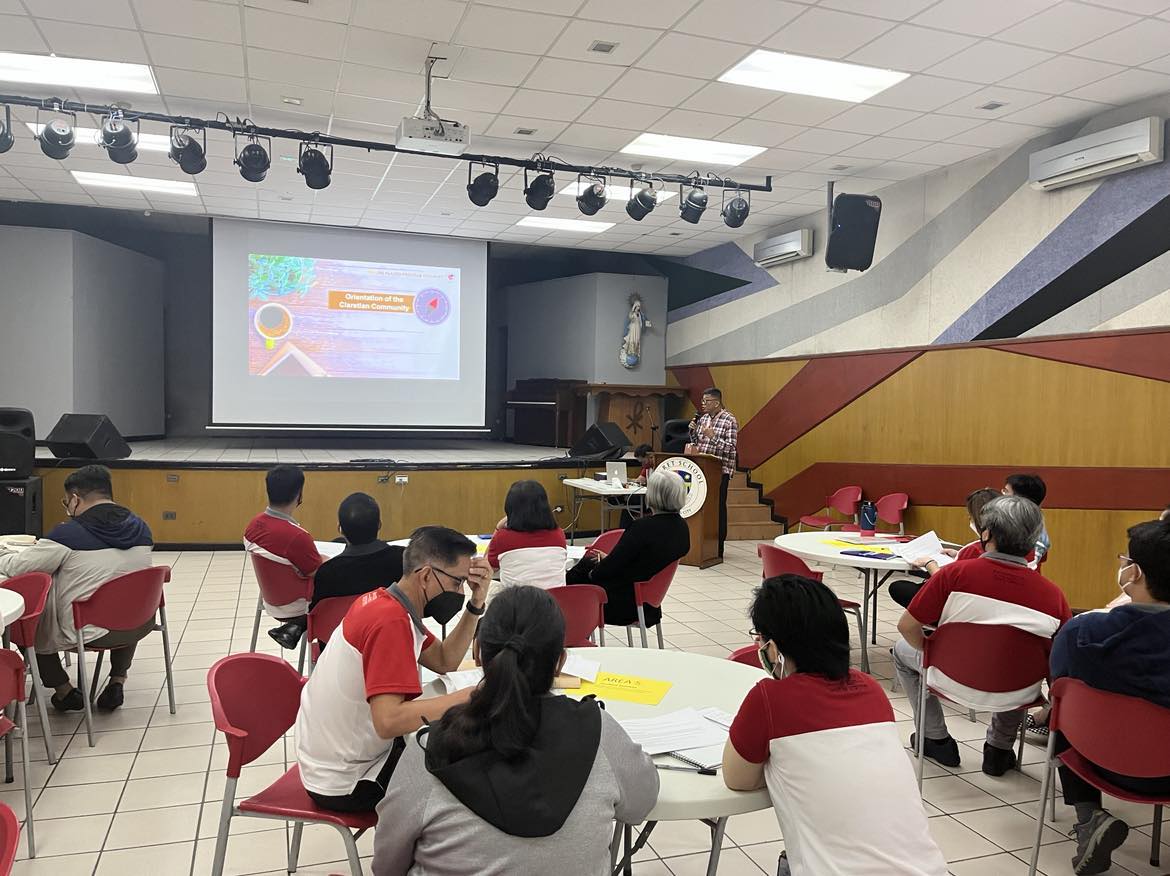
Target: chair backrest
{"points": [[326, 615], [778, 561], [994, 658], [9, 838], [582, 606], [652, 592], [748, 655], [34, 589], [123, 603], [890, 507], [254, 700], [1119, 733], [608, 540], [11, 677], [279, 582], [845, 500]]}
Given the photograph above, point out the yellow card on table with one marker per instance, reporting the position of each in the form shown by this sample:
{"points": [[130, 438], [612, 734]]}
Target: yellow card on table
{"points": [[850, 545], [610, 686]]}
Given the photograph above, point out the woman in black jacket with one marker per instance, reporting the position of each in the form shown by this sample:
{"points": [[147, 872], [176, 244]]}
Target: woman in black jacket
{"points": [[648, 546]]}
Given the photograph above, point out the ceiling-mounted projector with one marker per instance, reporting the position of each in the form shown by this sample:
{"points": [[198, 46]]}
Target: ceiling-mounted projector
{"points": [[433, 135]]}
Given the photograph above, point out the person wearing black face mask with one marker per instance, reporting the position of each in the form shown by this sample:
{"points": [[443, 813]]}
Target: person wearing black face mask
{"points": [[361, 699]]}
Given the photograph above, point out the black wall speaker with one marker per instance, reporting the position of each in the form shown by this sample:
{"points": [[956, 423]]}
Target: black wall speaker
{"points": [[602, 441], [675, 434], [87, 436], [17, 443], [20, 507], [853, 232]]}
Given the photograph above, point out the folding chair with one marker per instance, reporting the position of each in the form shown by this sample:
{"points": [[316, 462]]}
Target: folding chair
{"points": [[34, 588], [651, 592], [12, 690], [889, 510], [324, 618], [607, 541], [9, 839], [583, 606], [254, 701], [844, 501], [279, 585]]}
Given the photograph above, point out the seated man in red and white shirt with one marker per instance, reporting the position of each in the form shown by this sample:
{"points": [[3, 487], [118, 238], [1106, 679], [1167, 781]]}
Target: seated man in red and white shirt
{"points": [[996, 589], [273, 533], [361, 699], [822, 737]]}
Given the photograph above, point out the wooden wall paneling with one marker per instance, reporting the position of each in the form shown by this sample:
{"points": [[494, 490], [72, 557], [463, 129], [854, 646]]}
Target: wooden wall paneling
{"points": [[746, 389]]}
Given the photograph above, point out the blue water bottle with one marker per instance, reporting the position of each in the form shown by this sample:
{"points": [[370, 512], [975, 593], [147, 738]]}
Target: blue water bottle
{"points": [[868, 518]]}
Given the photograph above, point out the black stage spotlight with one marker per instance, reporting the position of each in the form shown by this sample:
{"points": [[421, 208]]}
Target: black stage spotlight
{"points": [[253, 160], [484, 187], [6, 137], [591, 197], [736, 210], [641, 202], [693, 204], [56, 137], [118, 139], [187, 152], [540, 191], [314, 166]]}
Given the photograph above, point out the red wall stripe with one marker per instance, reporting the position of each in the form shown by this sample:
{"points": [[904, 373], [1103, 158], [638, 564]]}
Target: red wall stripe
{"points": [[694, 379], [1137, 355]]}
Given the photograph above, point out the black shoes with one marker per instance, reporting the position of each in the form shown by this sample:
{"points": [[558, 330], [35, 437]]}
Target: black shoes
{"points": [[943, 751], [74, 701], [110, 698], [288, 636], [997, 761]]}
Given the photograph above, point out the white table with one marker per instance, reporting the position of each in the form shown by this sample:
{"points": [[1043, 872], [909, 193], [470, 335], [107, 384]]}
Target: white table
{"points": [[11, 607], [574, 552], [811, 547], [587, 489]]}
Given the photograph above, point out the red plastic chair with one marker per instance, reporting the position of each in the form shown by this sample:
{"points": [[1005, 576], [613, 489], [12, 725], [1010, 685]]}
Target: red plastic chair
{"points": [[12, 691], [324, 618], [607, 541], [123, 603], [651, 592], [844, 501], [778, 561], [254, 701], [34, 589], [992, 658], [9, 839], [279, 585], [1107, 731], [748, 655], [583, 606], [889, 510]]}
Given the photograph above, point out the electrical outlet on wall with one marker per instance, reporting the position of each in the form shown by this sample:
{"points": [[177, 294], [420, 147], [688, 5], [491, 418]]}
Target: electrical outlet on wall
{"points": [[170, 515], [401, 480]]}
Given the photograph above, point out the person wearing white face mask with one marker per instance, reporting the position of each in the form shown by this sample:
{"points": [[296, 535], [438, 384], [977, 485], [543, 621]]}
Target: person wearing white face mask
{"points": [[1114, 651], [822, 737]]}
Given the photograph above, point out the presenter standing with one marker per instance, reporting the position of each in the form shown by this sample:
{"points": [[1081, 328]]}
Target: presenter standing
{"points": [[716, 431]]}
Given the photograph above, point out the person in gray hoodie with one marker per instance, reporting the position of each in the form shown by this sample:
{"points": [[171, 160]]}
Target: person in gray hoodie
{"points": [[101, 540], [516, 778]]}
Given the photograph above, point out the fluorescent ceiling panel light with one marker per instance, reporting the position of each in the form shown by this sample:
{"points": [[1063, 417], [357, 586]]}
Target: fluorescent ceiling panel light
{"points": [[92, 137], [618, 192], [581, 226], [137, 183], [77, 73], [688, 149], [796, 74]]}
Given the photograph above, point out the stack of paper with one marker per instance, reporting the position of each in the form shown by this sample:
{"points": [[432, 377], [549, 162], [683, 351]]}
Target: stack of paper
{"points": [[924, 547], [675, 731]]}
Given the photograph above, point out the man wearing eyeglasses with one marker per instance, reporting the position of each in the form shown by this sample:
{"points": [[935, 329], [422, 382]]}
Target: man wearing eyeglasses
{"points": [[361, 699]]}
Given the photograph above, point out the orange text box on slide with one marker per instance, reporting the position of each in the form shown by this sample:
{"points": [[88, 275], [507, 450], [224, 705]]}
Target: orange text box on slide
{"points": [[380, 302]]}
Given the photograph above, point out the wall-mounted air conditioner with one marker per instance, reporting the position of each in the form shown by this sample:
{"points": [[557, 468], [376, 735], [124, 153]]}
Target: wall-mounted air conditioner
{"points": [[1095, 155], [783, 248]]}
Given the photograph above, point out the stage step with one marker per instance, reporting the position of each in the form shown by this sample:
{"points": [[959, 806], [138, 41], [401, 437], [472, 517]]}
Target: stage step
{"points": [[747, 515], [752, 531]]}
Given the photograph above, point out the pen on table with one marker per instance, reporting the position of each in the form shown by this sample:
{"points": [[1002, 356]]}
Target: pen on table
{"points": [[685, 769]]}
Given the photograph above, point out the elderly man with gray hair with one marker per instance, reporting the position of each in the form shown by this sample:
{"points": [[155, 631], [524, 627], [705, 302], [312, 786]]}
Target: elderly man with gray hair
{"points": [[647, 546], [998, 588]]}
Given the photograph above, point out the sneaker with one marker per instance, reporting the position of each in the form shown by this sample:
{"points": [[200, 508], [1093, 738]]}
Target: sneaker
{"points": [[110, 698], [943, 751], [997, 761], [783, 868], [74, 701], [288, 636], [1035, 731], [1096, 840]]}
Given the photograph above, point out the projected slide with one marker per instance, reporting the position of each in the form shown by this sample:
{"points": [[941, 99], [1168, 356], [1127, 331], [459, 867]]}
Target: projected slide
{"points": [[310, 317]]}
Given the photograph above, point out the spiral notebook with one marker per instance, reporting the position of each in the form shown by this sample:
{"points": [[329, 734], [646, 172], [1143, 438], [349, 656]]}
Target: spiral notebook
{"points": [[709, 757]]}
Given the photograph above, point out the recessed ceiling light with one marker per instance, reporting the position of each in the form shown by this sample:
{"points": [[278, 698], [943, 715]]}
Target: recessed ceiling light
{"points": [[688, 149], [137, 183], [581, 226], [291, 101], [796, 74], [614, 191], [77, 73], [525, 132], [91, 136]]}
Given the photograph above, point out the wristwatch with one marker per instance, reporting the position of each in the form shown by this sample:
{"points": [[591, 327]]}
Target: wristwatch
{"points": [[471, 609]]}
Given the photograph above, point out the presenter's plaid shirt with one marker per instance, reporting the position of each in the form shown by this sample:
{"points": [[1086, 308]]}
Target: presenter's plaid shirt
{"points": [[723, 443]]}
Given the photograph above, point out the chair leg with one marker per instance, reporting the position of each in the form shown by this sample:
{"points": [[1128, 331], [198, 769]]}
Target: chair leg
{"points": [[166, 637], [301, 656], [919, 723], [22, 722], [256, 623], [642, 627], [42, 709], [1155, 844], [81, 684], [226, 811], [661, 641], [294, 849], [351, 851], [856, 612], [1020, 758], [630, 636], [97, 672], [601, 635], [971, 715], [1045, 785]]}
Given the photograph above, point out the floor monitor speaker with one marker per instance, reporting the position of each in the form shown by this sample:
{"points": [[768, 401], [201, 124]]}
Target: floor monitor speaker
{"points": [[602, 441], [87, 436]]}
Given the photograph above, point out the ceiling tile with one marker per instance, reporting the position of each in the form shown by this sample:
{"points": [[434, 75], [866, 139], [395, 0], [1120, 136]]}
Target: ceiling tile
{"points": [[596, 137], [293, 33], [659, 89], [996, 134], [825, 142], [896, 170], [687, 123], [1124, 87], [1138, 7], [1061, 74], [546, 131], [722, 97], [982, 18], [471, 97], [933, 127], [743, 21], [782, 160], [376, 48], [187, 54], [912, 48], [761, 133], [18, 33], [325, 10], [1056, 111], [370, 111], [800, 109], [866, 119], [1012, 100], [944, 153], [827, 33], [111, 13], [493, 68], [989, 61], [293, 69], [430, 19], [896, 9], [201, 19], [508, 30], [645, 13], [924, 93], [1135, 44], [693, 56], [631, 42], [573, 77], [206, 86], [271, 95], [387, 84], [883, 148], [546, 104], [89, 41], [553, 7], [1065, 26]]}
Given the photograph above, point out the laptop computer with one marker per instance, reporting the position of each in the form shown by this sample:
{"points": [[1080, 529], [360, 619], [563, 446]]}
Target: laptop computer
{"points": [[615, 473]]}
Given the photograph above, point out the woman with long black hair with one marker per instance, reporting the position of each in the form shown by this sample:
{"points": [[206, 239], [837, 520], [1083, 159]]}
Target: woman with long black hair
{"points": [[517, 778], [528, 547]]}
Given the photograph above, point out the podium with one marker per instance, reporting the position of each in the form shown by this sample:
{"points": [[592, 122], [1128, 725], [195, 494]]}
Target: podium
{"points": [[702, 474]]}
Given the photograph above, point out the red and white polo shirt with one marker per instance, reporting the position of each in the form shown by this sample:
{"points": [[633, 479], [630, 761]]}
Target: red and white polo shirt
{"points": [[375, 651], [533, 558], [843, 789]]}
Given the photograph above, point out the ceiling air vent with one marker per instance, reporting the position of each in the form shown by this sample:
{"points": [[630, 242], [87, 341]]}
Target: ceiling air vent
{"points": [[602, 47]]}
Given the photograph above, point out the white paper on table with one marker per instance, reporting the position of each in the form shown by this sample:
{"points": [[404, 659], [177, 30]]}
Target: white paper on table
{"points": [[580, 667], [927, 545], [676, 731], [720, 717], [454, 681]]}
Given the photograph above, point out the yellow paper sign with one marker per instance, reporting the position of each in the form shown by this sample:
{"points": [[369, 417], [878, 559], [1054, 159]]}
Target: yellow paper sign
{"points": [[849, 545], [630, 688]]}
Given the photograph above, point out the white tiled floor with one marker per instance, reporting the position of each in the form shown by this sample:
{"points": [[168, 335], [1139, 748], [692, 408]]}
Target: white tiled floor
{"points": [[146, 800]]}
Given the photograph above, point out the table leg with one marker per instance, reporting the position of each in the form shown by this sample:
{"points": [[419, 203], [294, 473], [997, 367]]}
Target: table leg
{"points": [[718, 828], [8, 775], [628, 841], [876, 590]]}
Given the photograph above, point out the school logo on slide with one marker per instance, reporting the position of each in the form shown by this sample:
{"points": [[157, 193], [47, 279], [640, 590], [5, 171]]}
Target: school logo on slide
{"points": [[694, 479], [432, 306]]}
